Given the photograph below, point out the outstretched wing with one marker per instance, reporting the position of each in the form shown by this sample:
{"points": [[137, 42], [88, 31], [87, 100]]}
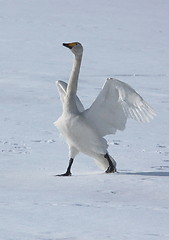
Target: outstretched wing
{"points": [[62, 86], [116, 102]]}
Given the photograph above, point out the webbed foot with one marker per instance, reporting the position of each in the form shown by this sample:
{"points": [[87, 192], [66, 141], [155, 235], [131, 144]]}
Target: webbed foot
{"points": [[111, 169], [66, 174]]}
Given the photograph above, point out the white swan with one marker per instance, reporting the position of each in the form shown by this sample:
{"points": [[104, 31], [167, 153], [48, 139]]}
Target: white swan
{"points": [[84, 129]]}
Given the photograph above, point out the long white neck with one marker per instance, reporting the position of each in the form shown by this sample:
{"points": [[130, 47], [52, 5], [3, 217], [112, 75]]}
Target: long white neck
{"points": [[70, 103]]}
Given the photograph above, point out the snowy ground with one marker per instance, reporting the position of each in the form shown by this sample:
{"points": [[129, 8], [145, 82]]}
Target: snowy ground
{"points": [[123, 39]]}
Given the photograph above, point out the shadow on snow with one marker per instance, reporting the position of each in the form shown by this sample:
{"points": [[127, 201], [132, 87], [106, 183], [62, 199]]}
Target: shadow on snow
{"points": [[155, 174]]}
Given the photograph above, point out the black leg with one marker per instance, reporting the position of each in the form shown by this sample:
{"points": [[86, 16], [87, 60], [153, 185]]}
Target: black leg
{"points": [[68, 172], [111, 168]]}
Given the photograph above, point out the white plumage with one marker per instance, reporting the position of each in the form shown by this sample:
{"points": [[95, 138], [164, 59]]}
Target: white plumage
{"points": [[84, 129]]}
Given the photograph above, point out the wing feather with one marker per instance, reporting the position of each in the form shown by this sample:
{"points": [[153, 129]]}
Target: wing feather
{"points": [[62, 87], [116, 102]]}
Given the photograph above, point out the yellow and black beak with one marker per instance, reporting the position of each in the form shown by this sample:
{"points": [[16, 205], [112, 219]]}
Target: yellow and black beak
{"points": [[69, 45]]}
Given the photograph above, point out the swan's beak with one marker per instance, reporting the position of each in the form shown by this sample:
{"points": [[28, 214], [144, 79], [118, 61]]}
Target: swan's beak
{"points": [[69, 45]]}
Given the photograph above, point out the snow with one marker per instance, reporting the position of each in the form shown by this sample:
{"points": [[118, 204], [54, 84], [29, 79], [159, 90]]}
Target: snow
{"points": [[127, 40]]}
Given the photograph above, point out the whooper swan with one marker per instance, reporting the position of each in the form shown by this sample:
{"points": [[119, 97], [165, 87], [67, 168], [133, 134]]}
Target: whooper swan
{"points": [[84, 129]]}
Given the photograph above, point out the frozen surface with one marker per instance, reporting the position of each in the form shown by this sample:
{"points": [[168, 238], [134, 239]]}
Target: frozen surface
{"points": [[123, 39]]}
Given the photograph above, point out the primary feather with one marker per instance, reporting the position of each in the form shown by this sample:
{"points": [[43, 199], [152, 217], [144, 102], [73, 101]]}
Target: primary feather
{"points": [[116, 102]]}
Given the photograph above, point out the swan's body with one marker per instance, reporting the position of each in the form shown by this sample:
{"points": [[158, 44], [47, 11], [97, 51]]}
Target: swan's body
{"points": [[84, 129]]}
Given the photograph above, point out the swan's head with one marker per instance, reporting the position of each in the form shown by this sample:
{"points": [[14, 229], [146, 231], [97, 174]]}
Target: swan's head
{"points": [[75, 47]]}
